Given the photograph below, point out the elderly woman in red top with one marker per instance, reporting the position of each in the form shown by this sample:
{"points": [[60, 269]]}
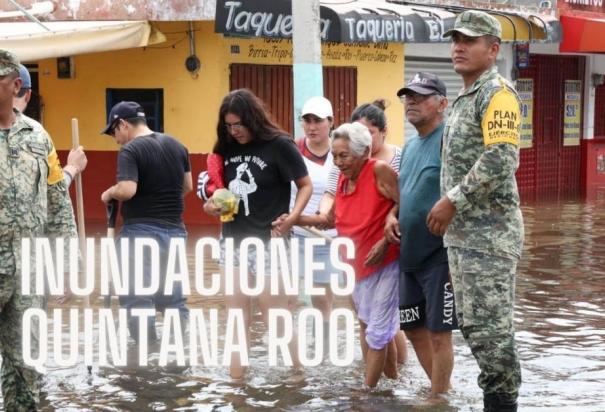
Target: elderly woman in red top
{"points": [[366, 191]]}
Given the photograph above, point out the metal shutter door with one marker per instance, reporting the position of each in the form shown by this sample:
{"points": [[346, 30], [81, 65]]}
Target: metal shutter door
{"points": [[273, 84]]}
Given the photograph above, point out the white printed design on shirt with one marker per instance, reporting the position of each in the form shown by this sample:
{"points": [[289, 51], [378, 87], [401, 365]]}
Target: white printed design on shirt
{"points": [[241, 187]]}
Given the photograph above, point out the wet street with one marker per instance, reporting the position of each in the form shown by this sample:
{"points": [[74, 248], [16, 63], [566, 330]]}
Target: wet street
{"points": [[560, 320]]}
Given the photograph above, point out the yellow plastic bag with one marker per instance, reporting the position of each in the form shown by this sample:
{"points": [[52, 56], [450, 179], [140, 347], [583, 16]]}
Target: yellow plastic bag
{"points": [[228, 202]]}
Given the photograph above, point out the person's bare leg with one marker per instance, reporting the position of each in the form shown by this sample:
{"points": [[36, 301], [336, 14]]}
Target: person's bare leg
{"points": [[421, 342], [390, 364], [239, 301], [267, 301], [375, 360], [323, 303], [443, 361], [292, 303], [402, 347], [362, 340]]}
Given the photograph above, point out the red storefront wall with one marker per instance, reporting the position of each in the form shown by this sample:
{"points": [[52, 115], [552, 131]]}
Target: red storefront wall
{"points": [[550, 170], [93, 184], [594, 150]]}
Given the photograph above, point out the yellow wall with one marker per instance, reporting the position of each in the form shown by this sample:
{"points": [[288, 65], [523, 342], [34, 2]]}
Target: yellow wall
{"points": [[191, 104]]}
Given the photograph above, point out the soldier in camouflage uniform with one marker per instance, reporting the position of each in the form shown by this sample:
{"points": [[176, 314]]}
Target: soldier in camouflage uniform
{"points": [[479, 210], [33, 202]]}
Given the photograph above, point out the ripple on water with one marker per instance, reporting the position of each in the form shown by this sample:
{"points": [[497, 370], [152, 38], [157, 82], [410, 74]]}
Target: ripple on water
{"points": [[560, 321]]}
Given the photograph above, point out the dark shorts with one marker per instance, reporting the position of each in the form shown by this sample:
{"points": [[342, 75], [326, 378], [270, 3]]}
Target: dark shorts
{"points": [[426, 298]]}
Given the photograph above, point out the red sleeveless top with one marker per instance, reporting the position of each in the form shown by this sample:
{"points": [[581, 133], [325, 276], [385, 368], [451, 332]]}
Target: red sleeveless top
{"points": [[360, 216]]}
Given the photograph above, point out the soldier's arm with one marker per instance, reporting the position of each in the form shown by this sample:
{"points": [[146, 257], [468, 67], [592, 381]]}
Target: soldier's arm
{"points": [[60, 213], [500, 114]]}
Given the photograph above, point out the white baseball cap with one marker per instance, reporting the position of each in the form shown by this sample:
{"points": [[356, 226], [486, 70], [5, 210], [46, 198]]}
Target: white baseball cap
{"points": [[318, 106]]}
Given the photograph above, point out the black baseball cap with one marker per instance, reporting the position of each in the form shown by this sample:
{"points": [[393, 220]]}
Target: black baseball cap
{"points": [[123, 110], [424, 83]]}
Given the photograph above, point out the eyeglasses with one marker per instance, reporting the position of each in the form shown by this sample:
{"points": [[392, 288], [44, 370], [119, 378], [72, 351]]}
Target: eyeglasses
{"points": [[234, 126], [416, 97]]}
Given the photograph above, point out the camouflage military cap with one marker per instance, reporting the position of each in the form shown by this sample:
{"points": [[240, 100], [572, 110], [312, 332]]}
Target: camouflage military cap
{"points": [[8, 63], [475, 23]]}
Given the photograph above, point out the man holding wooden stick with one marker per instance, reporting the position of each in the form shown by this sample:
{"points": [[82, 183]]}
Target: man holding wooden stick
{"points": [[153, 176]]}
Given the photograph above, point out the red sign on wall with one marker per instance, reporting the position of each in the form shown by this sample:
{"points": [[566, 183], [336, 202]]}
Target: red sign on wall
{"points": [[595, 6], [601, 163]]}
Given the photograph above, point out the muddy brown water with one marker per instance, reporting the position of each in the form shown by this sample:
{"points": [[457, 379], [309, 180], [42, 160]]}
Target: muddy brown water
{"points": [[560, 320]]}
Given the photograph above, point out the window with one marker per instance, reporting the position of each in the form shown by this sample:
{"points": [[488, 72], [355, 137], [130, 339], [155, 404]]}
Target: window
{"points": [[152, 101]]}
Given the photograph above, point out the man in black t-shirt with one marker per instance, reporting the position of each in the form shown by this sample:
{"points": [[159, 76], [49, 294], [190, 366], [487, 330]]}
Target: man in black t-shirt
{"points": [[153, 176]]}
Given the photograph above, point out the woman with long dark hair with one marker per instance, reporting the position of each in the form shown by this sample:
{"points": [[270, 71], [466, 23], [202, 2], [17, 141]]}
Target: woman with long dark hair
{"points": [[259, 163]]}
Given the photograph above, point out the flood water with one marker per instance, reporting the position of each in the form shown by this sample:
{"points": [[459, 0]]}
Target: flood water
{"points": [[560, 320]]}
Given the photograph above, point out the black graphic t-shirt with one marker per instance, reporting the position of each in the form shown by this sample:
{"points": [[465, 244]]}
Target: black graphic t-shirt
{"points": [[260, 173]]}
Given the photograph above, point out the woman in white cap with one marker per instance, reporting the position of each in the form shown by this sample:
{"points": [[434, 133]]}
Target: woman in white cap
{"points": [[317, 118]]}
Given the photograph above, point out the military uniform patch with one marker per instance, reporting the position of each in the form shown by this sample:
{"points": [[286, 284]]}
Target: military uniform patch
{"points": [[502, 119], [55, 173], [37, 148]]}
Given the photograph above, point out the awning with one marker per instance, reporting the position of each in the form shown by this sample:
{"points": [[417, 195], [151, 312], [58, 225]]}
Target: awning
{"points": [[341, 21], [526, 27], [30, 42], [582, 34], [371, 21]]}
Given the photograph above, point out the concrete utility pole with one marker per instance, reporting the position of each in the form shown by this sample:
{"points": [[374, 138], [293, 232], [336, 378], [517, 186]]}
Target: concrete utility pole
{"points": [[306, 43]]}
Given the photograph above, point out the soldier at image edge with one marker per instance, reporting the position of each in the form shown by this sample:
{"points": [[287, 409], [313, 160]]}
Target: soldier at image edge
{"points": [[479, 213], [34, 202]]}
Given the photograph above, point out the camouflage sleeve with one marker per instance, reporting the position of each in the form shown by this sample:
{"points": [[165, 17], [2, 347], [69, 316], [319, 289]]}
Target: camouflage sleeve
{"points": [[500, 121], [67, 178], [60, 213]]}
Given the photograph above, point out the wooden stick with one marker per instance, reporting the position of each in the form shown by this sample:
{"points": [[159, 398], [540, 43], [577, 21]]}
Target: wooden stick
{"points": [[112, 214], [75, 142], [317, 232]]}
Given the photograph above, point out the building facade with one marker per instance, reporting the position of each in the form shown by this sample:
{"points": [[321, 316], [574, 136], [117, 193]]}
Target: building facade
{"points": [[188, 62]]}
